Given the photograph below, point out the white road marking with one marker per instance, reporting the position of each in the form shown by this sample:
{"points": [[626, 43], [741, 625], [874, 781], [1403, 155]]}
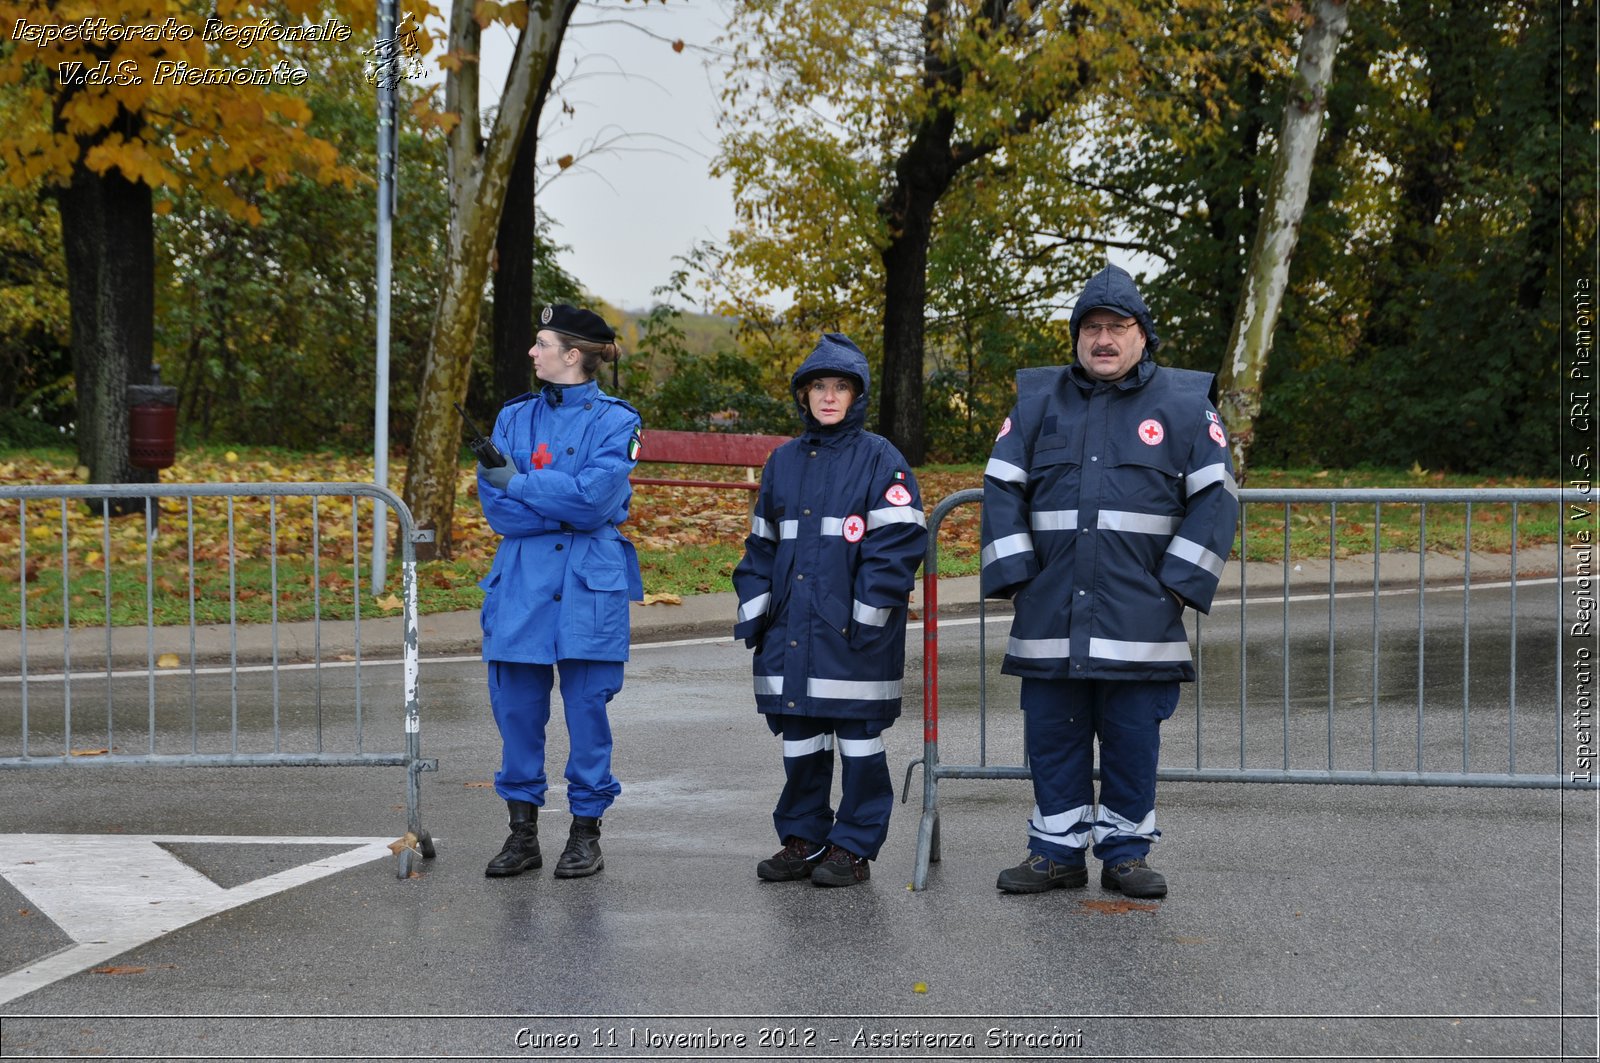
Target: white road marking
{"points": [[113, 892]]}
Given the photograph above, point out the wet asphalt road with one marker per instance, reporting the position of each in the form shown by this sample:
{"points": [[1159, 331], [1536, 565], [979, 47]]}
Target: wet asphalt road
{"points": [[1326, 921]]}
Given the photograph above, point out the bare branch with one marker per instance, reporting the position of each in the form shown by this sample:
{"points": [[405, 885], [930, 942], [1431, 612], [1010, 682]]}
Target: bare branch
{"points": [[1064, 239]]}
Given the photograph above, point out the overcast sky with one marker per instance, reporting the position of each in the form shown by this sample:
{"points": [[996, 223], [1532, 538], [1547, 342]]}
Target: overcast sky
{"points": [[627, 210]]}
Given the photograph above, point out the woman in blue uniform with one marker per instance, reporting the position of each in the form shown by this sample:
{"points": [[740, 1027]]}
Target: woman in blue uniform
{"points": [[556, 598], [829, 566]]}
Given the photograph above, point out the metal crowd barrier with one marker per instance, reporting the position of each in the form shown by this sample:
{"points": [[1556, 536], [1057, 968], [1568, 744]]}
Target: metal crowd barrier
{"points": [[208, 727], [1261, 737]]}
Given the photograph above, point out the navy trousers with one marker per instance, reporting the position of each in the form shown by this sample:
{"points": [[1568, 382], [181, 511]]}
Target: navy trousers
{"points": [[805, 807], [1065, 718], [520, 696]]}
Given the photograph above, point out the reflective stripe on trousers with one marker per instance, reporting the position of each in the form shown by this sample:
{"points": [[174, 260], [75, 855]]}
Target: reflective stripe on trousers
{"points": [[1065, 719], [867, 793]]}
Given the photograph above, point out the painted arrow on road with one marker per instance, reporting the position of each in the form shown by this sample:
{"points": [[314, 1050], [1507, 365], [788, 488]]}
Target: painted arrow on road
{"points": [[113, 892]]}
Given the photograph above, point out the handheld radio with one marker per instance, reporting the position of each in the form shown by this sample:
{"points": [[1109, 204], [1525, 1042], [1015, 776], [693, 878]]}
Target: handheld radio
{"points": [[482, 446]]}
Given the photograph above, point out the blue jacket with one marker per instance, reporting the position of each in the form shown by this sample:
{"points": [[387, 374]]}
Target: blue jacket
{"points": [[563, 574], [1099, 501], [830, 563]]}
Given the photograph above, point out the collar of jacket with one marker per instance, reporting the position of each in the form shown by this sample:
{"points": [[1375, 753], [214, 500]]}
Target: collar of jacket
{"points": [[557, 394], [1138, 378], [830, 435]]}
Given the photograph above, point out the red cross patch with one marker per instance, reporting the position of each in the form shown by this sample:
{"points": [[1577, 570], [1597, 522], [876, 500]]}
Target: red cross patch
{"points": [[541, 457], [854, 528], [1005, 429], [898, 495], [1216, 434], [1151, 432]]}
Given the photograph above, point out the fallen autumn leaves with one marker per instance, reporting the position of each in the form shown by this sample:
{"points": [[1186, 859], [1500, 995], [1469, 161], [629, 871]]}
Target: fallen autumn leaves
{"points": [[254, 559]]}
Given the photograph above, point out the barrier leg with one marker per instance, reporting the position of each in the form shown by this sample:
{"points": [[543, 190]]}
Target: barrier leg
{"points": [[927, 847], [415, 765]]}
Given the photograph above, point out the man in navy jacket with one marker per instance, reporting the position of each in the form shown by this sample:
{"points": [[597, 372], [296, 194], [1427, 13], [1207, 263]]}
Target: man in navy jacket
{"points": [[1109, 505]]}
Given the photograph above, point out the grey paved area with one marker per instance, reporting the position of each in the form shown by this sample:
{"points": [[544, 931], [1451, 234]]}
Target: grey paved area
{"points": [[1304, 921]]}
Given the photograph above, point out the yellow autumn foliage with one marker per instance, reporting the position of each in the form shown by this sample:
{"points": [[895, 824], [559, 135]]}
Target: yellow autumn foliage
{"points": [[154, 90]]}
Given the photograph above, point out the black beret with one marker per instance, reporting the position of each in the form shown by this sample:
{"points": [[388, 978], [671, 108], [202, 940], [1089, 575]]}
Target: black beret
{"points": [[572, 321]]}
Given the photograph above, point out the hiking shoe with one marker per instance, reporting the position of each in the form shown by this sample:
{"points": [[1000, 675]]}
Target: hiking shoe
{"points": [[795, 860], [840, 867], [1134, 878], [1039, 873]]}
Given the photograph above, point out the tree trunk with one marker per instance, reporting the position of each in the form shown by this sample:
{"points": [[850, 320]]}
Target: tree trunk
{"points": [[901, 410], [1267, 272], [109, 242], [480, 169], [922, 175], [513, 330], [513, 282]]}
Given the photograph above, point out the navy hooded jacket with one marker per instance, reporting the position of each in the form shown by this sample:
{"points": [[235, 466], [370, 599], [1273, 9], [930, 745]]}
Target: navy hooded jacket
{"points": [[1100, 500], [836, 537]]}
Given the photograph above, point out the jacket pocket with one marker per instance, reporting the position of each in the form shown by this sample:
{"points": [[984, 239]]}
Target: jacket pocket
{"points": [[1164, 458], [1056, 471], [605, 613], [1147, 482], [834, 613], [1054, 450], [491, 602]]}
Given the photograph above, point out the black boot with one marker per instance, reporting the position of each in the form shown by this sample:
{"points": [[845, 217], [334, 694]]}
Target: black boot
{"points": [[582, 855], [521, 851]]}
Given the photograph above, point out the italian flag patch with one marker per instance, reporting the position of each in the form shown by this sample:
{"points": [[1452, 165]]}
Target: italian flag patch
{"points": [[635, 445]]}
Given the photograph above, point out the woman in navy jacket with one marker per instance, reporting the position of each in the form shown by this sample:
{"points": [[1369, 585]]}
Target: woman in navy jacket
{"points": [[829, 566], [557, 595]]}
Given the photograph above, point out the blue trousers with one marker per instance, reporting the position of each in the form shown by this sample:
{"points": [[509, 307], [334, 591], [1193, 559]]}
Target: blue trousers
{"points": [[805, 807], [1065, 717], [520, 697]]}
